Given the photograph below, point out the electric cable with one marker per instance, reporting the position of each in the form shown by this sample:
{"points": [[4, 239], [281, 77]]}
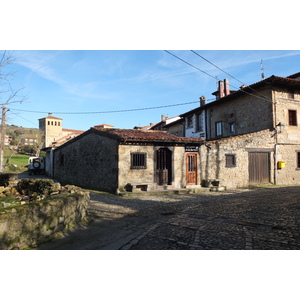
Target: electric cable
{"points": [[105, 112], [242, 90]]}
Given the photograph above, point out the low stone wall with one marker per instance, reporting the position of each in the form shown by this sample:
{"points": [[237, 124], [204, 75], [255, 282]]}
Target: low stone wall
{"points": [[28, 225]]}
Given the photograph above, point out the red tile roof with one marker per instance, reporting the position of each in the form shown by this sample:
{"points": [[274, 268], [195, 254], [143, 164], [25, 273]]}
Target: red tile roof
{"points": [[135, 135]]}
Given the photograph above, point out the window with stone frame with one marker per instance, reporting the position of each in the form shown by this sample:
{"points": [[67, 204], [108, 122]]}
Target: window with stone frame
{"points": [[138, 160], [292, 117], [230, 160]]}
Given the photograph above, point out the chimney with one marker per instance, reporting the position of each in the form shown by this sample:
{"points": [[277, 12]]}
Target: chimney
{"points": [[226, 87], [202, 101], [49, 114], [221, 88], [163, 118]]}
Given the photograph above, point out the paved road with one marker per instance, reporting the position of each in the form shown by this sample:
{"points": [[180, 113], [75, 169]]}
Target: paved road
{"points": [[264, 218]]}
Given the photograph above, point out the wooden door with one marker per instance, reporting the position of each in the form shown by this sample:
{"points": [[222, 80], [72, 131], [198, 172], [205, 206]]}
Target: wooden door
{"points": [[191, 168], [259, 167], [164, 166]]}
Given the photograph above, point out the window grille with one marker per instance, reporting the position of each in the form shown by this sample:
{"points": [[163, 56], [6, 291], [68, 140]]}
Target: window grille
{"points": [[138, 161]]}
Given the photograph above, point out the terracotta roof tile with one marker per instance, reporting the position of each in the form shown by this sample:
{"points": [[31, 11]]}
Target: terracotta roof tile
{"points": [[135, 135]]}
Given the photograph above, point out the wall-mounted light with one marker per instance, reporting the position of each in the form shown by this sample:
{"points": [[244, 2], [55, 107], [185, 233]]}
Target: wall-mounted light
{"points": [[280, 125]]}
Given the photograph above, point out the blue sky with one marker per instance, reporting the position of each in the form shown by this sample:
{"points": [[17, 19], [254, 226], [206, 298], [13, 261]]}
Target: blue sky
{"points": [[80, 81]]}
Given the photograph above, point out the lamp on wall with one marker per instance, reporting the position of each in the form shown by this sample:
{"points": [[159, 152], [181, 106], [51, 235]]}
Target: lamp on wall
{"points": [[280, 125]]}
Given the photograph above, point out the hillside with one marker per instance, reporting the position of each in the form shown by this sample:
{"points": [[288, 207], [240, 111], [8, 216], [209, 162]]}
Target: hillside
{"points": [[16, 132]]}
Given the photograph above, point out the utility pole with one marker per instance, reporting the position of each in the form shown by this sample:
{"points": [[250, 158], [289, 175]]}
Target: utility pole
{"points": [[3, 133]]}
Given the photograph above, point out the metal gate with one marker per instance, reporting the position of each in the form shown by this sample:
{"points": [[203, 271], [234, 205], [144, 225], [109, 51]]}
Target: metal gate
{"points": [[191, 168], [259, 167], [164, 167]]}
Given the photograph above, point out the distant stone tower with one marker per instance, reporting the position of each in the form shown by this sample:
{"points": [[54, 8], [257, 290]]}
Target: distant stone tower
{"points": [[51, 129]]}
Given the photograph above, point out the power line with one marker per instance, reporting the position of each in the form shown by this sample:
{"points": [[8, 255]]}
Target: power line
{"points": [[266, 98], [215, 77], [105, 112], [217, 67]]}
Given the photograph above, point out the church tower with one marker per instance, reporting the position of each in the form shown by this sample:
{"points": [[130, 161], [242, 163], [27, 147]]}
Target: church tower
{"points": [[51, 129]]}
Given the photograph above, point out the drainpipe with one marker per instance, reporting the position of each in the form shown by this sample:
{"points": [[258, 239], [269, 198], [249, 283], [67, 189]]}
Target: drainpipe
{"points": [[276, 137], [275, 162]]}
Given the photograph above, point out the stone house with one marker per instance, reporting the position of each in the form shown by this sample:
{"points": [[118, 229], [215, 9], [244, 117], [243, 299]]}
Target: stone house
{"points": [[252, 135], [127, 159]]}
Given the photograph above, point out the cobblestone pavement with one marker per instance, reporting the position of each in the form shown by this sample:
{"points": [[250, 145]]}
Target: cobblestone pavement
{"points": [[263, 218]]}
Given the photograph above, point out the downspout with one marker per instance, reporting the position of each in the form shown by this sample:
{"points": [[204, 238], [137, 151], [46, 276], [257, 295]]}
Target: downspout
{"points": [[51, 163], [276, 138]]}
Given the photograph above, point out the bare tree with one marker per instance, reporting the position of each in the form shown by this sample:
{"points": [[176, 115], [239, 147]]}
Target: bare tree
{"points": [[8, 95]]}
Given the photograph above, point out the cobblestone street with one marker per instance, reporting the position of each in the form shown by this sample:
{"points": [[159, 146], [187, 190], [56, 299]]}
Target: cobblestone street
{"points": [[258, 219]]}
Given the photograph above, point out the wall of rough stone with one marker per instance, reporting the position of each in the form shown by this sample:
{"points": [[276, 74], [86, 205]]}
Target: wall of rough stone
{"points": [[128, 175], [90, 162], [29, 225], [213, 158], [249, 113], [290, 174], [148, 175]]}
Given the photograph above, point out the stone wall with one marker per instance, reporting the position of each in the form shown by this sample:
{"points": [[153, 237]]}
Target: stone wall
{"points": [[148, 175], [90, 162], [26, 226], [250, 114], [290, 174], [128, 175], [213, 158]]}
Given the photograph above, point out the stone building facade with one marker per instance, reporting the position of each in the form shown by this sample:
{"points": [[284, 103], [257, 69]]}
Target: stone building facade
{"points": [[252, 135], [53, 133], [118, 159]]}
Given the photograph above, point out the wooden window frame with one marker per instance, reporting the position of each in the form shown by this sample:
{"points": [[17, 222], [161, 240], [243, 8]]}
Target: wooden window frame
{"points": [[138, 160], [200, 122], [220, 123], [292, 117], [298, 159], [232, 163]]}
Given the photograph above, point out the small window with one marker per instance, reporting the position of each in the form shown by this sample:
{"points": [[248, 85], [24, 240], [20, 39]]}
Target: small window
{"points": [[292, 117], [219, 129], [190, 122], [230, 160], [199, 122], [298, 159], [138, 160], [58, 123], [232, 127]]}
